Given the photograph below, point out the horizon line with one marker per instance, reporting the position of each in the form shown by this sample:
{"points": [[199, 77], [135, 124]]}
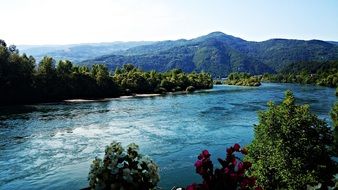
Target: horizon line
{"points": [[164, 40]]}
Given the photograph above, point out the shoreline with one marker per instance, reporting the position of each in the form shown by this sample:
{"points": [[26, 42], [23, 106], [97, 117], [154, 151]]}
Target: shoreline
{"points": [[84, 100], [80, 100]]}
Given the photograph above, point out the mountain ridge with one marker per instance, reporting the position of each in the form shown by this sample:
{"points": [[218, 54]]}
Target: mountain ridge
{"points": [[216, 52], [78, 52], [220, 54]]}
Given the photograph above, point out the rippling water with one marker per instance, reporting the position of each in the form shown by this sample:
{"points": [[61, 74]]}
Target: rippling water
{"points": [[50, 146]]}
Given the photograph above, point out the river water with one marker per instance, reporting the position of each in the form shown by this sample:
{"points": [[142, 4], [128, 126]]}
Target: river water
{"points": [[50, 146]]}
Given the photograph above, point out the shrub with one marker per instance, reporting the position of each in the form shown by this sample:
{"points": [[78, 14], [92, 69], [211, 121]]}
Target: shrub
{"points": [[230, 176], [334, 117], [122, 169], [290, 148]]}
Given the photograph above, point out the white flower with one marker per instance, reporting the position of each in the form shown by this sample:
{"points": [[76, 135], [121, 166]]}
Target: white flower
{"points": [[122, 172]]}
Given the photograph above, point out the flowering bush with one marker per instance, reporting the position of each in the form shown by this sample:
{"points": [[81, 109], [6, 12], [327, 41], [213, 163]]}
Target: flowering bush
{"points": [[122, 169], [230, 176]]}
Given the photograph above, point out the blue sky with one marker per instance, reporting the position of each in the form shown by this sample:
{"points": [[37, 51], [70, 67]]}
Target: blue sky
{"points": [[80, 21]]}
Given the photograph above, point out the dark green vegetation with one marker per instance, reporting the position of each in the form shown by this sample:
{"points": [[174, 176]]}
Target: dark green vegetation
{"points": [[136, 81], [242, 79], [290, 148], [334, 117], [320, 73], [21, 82], [221, 54]]}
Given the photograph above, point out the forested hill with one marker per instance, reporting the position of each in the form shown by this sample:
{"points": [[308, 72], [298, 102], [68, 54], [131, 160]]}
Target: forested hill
{"points": [[221, 54], [77, 52]]}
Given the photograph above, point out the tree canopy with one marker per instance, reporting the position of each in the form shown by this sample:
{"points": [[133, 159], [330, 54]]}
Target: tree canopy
{"points": [[320, 73], [290, 147], [242, 79], [24, 81]]}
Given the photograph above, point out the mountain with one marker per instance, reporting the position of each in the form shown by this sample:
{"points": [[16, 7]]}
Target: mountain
{"points": [[78, 52], [333, 42], [221, 54]]}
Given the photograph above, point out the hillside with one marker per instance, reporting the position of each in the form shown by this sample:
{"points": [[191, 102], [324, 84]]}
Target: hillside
{"points": [[332, 42], [221, 54], [78, 52]]}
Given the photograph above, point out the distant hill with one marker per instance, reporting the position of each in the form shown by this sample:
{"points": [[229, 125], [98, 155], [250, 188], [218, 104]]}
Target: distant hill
{"points": [[77, 52], [332, 42], [221, 54]]}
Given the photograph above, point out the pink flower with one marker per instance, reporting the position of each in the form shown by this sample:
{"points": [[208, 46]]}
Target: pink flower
{"points": [[191, 187], [245, 182], [205, 154], [240, 167], [237, 147], [226, 170], [233, 176], [230, 150], [198, 164], [234, 161]]}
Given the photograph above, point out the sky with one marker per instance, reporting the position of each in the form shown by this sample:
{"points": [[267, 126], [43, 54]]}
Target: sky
{"points": [[37, 22]]}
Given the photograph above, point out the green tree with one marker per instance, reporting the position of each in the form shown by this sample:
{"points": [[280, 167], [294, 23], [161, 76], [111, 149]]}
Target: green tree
{"points": [[101, 74], [16, 74], [105, 85], [46, 80], [334, 117], [64, 68], [64, 82], [128, 67], [20, 82], [290, 147], [47, 66]]}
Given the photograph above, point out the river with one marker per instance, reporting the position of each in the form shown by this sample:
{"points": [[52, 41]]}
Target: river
{"points": [[50, 146]]}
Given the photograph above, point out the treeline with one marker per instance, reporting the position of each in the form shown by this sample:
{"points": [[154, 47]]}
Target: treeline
{"points": [[319, 73], [242, 79], [24, 81]]}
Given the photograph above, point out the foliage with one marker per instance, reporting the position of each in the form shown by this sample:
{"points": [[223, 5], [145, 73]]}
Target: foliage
{"points": [[137, 81], [16, 73], [21, 82], [334, 117], [123, 169], [290, 148], [320, 73], [242, 79], [232, 174], [221, 54]]}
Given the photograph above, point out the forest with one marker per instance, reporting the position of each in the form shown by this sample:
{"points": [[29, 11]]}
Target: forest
{"points": [[22, 80], [319, 73]]}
